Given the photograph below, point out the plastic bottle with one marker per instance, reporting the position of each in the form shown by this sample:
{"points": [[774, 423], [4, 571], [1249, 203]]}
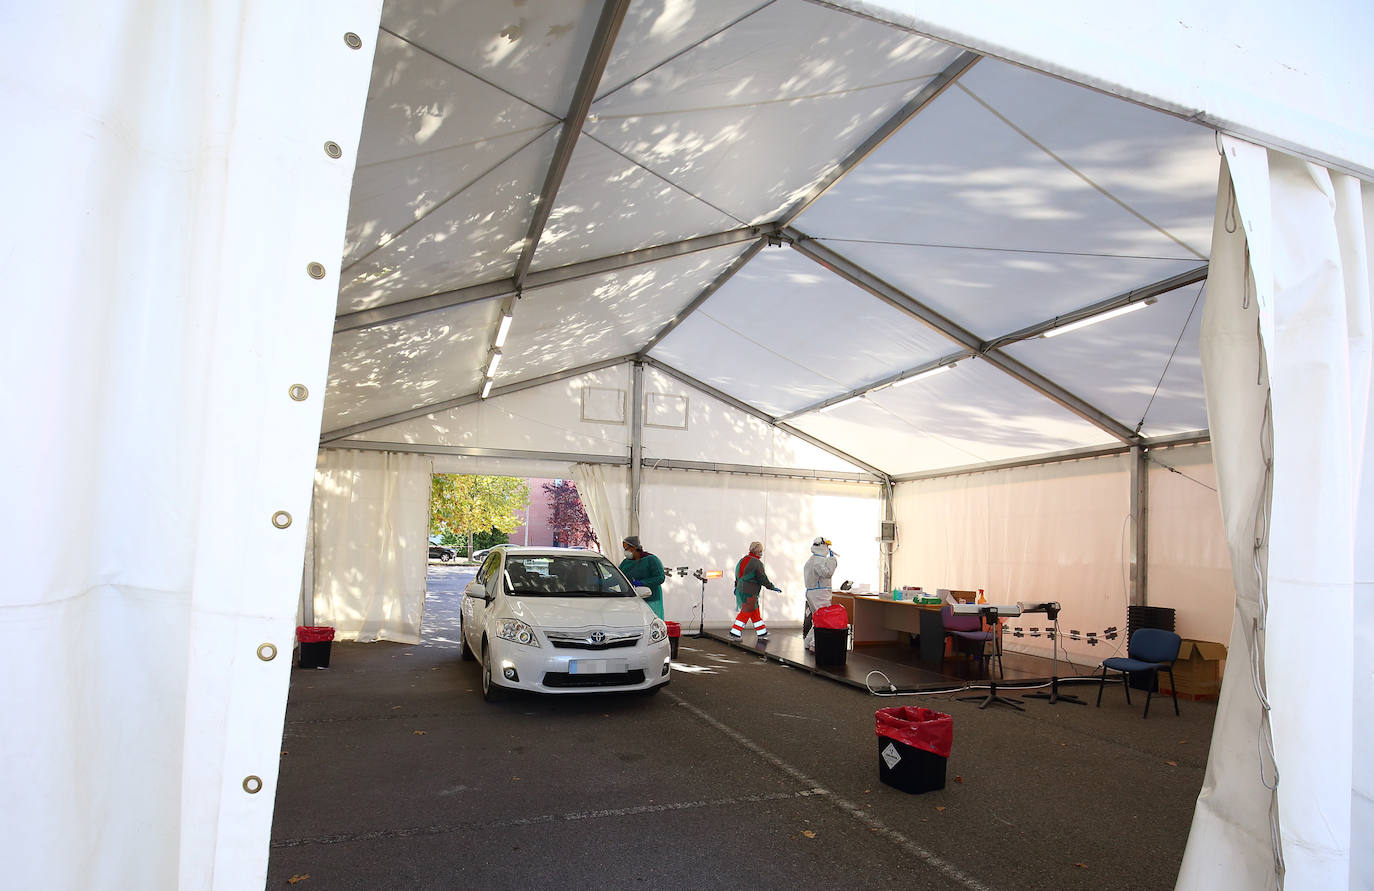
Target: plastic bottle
{"points": [[981, 598]]}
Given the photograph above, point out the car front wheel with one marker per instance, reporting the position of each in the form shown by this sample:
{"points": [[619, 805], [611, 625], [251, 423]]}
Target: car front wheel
{"points": [[464, 650], [490, 691]]}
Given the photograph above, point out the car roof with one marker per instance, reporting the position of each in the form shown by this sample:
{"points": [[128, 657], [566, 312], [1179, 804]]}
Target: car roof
{"points": [[527, 551]]}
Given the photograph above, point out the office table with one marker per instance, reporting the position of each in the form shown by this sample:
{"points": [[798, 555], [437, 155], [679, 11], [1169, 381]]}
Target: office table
{"points": [[879, 620]]}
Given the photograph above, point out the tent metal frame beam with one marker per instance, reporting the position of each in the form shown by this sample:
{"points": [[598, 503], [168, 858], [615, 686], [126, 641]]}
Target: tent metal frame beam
{"points": [[468, 399], [636, 444], [768, 419], [716, 284], [473, 452], [1161, 442], [881, 384], [862, 278], [927, 94], [838, 476], [598, 54], [1125, 298], [505, 287], [1140, 523]]}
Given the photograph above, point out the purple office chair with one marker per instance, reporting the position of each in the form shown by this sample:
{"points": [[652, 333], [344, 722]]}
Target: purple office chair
{"points": [[970, 627]]}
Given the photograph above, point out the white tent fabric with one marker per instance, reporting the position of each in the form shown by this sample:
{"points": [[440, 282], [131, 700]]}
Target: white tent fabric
{"points": [[169, 188], [1295, 334], [196, 162], [370, 538], [591, 486]]}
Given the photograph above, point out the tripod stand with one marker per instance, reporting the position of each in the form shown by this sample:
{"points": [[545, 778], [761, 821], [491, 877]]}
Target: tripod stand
{"points": [[703, 576], [991, 614], [1054, 696]]}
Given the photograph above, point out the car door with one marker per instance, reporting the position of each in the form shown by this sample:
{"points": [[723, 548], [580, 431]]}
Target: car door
{"points": [[475, 601]]}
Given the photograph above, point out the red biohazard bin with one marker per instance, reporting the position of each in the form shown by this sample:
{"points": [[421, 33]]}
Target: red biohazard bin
{"points": [[831, 627], [674, 635], [913, 747], [316, 641]]}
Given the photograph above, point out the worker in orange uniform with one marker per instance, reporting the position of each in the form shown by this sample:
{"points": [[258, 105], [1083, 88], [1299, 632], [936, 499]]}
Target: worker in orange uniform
{"points": [[750, 580]]}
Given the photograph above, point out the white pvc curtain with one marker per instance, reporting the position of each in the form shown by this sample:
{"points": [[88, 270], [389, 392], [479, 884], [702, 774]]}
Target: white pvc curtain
{"points": [[1288, 323], [165, 356], [370, 544], [591, 486]]}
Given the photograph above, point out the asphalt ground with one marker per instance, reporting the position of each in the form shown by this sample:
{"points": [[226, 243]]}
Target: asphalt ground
{"points": [[742, 773]]}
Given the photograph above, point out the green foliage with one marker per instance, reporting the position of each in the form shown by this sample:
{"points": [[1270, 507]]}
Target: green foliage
{"points": [[460, 504]]}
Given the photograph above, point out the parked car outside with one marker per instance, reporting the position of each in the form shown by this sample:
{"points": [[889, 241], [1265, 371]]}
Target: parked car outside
{"points": [[442, 553], [479, 556], [561, 620]]}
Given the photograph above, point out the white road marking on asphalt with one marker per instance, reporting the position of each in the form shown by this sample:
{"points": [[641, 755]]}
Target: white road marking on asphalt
{"points": [[858, 813]]}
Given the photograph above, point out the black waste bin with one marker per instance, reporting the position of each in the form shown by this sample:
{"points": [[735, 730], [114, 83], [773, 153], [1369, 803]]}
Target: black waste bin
{"points": [[913, 747], [316, 642], [832, 645]]}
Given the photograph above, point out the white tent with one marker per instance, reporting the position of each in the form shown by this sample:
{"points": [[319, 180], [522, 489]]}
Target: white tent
{"points": [[703, 257]]}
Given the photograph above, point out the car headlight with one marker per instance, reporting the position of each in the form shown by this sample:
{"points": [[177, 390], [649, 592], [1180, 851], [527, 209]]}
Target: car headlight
{"points": [[658, 630], [518, 632]]}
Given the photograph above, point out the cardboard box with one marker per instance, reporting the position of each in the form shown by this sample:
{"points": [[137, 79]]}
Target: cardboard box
{"points": [[1198, 669]]}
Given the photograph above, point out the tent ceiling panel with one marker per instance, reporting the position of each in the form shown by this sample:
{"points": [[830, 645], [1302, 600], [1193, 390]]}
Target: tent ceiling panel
{"points": [[972, 414], [1116, 364], [578, 322], [374, 372], [970, 216], [720, 433], [608, 205], [541, 419], [750, 119], [422, 141], [532, 49], [783, 334], [475, 236]]}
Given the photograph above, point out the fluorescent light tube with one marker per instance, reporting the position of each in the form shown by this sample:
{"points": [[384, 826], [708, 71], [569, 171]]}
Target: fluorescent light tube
{"points": [[834, 405], [502, 331], [495, 360], [486, 389], [939, 369], [1100, 317]]}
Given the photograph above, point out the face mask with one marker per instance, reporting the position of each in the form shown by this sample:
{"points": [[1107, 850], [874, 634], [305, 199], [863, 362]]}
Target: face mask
{"points": [[629, 553]]}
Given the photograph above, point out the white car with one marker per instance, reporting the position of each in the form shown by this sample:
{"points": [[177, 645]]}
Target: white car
{"points": [[561, 620]]}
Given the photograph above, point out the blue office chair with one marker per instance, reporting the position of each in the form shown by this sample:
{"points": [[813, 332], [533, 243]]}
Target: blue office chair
{"points": [[1150, 650]]}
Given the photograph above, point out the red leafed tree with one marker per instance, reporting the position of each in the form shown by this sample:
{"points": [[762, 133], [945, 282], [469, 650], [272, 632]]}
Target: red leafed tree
{"points": [[567, 517]]}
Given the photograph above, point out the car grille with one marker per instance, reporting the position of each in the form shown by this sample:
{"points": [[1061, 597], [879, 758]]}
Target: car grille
{"points": [[583, 640], [615, 679]]}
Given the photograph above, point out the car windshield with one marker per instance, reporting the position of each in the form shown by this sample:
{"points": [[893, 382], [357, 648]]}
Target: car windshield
{"points": [[559, 576]]}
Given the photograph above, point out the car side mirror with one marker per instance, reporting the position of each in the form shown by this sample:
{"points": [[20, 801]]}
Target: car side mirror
{"points": [[643, 592]]}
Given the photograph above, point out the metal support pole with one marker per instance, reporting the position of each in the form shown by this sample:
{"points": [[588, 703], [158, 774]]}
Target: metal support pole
{"points": [[636, 446], [1140, 524], [886, 547]]}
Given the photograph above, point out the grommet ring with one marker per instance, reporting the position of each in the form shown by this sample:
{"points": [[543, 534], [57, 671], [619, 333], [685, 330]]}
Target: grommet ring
{"points": [[252, 785], [331, 148], [353, 40], [281, 519], [315, 270], [267, 652], [298, 392]]}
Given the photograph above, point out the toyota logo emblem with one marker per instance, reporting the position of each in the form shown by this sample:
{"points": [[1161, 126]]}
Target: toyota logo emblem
{"points": [[598, 637]]}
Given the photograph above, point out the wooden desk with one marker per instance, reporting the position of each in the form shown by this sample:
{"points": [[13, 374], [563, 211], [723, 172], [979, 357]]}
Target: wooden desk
{"points": [[879, 620]]}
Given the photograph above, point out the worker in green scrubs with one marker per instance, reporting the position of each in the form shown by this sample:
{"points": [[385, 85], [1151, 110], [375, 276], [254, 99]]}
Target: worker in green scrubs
{"points": [[643, 570]]}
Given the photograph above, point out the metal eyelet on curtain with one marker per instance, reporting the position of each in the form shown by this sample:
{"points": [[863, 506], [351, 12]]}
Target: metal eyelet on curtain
{"points": [[281, 519], [252, 785], [315, 270], [267, 652], [331, 148], [353, 40], [299, 392]]}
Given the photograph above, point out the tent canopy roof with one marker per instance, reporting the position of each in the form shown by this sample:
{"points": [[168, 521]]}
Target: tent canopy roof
{"points": [[791, 203]]}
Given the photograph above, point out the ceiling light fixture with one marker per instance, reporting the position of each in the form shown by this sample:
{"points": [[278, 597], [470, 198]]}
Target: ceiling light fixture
{"points": [[938, 369], [486, 389], [495, 360], [502, 331], [1100, 317]]}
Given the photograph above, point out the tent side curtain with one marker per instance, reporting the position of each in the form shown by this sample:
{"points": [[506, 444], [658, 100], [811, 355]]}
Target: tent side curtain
{"points": [[1061, 532], [370, 544], [1291, 260]]}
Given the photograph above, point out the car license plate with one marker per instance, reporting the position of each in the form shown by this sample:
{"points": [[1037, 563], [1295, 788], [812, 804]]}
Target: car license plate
{"points": [[596, 666]]}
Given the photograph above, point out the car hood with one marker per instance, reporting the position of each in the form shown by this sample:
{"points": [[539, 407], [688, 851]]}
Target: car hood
{"points": [[582, 612]]}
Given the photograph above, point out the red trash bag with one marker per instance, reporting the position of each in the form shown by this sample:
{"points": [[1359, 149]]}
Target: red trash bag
{"points": [[832, 616], [920, 728], [314, 633]]}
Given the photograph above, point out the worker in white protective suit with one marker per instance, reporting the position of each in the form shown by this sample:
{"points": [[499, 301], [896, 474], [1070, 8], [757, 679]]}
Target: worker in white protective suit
{"points": [[817, 573]]}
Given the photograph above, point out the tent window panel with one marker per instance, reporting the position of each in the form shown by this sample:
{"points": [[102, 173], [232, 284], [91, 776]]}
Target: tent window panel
{"points": [[665, 410], [603, 405]]}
